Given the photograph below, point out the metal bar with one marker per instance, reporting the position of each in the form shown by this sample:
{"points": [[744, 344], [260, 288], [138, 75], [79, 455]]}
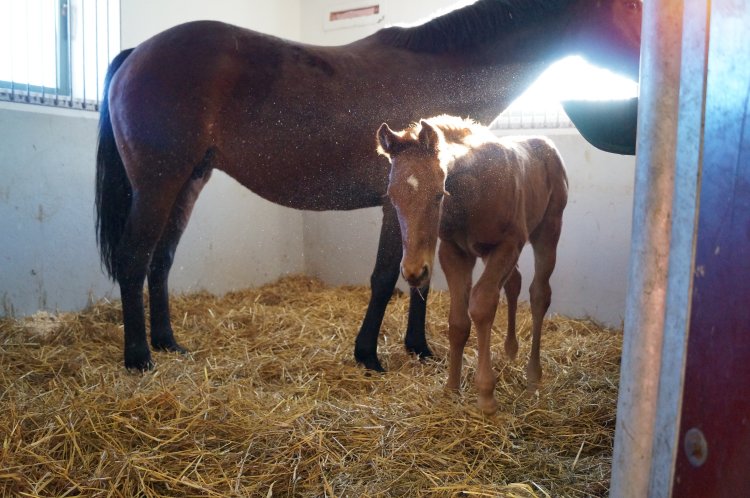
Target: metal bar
{"points": [[69, 70], [689, 158], [12, 71], [42, 57], [57, 50], [649, 260], [83, 49], [28, 54], [96, 52]]}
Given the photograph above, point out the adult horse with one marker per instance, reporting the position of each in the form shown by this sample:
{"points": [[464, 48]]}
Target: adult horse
{"points": [[272, 113]]}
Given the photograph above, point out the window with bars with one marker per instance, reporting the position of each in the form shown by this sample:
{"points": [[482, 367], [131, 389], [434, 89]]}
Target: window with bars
{"points": [[56, 52], [571, 78]]}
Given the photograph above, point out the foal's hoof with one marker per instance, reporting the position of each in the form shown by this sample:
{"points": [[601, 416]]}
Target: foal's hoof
{"points": [[487, 405], [138, 359]]}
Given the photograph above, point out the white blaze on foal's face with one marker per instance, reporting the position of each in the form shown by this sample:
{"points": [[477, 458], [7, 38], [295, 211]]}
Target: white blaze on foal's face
{"points": [[412, 180]]}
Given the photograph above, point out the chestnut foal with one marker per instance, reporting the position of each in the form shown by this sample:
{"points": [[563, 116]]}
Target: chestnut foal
{"points": [[485, 197]]}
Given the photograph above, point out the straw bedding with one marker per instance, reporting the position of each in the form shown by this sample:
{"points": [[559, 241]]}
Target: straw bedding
{"points": [[270, 403]]}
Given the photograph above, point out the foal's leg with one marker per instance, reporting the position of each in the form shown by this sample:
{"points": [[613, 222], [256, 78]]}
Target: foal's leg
{"points": [[512, 290], [162, 336], [148, 216], [457, 266], [482, 307], [382, 282], [544, 242]]}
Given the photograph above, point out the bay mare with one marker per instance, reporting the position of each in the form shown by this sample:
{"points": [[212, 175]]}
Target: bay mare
{"points": [[484, 197], [293, 123]]}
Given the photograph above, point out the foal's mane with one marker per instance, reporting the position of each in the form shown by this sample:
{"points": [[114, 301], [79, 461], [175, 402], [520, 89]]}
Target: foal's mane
{"points": [[471, 25], [454, 129]]}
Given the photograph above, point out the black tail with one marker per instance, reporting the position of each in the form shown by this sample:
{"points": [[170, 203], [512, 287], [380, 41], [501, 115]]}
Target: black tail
{"points": [[113, 191]]}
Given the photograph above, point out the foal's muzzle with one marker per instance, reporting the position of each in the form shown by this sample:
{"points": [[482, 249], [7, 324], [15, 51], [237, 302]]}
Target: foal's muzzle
{"points": [[416, 277]]}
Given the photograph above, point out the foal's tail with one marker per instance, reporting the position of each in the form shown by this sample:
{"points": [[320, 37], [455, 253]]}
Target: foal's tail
{"points": [[113, 191]]}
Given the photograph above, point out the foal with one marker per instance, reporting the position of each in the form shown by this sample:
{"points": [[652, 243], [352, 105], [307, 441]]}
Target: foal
{"points": [[484, 197]]}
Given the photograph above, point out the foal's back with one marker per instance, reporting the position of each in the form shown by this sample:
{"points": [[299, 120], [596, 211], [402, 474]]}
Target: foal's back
{"points": [[501, 187]]}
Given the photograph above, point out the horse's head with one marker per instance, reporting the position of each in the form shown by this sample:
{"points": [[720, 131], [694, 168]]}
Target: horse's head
{"points": [[416, 189], [608, 33]]}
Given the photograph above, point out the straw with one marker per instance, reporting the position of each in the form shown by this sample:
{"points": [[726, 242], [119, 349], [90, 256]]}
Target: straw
{"points": [[271, 403]]}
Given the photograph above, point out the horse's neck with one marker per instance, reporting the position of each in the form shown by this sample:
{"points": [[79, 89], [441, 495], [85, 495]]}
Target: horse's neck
{"points": [[512, 63], [480, 83]]}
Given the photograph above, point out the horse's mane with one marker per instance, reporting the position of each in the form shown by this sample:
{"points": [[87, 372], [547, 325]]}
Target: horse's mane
{"points": [[469, 26]]}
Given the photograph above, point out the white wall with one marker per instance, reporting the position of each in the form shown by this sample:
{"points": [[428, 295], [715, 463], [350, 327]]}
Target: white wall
{"points": [[48, 257], [314, 13], [591, 275], [142, 19]]}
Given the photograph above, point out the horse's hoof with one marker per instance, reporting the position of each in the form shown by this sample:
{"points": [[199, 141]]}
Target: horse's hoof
{"points": [[138, 359], [170, 347], [487, 405], [369, 362], [421, 351], [373, 365], [368, 358]]}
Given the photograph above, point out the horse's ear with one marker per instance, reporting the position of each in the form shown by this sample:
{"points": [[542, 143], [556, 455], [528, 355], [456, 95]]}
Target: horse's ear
{"points": [[428, 136], [387, 139]]}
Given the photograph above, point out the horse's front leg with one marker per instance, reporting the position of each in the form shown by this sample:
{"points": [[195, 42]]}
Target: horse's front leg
{"points": [[457, 267], [382, 282], [482, 308], [415, 340]]}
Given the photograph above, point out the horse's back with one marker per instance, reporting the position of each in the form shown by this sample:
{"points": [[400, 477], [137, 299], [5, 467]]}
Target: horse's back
{"points": [[515, 180], [537, 155], [194, 68]]}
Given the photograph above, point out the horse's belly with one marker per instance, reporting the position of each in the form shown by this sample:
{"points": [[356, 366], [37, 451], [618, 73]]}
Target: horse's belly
{"points": [[297, 188]]}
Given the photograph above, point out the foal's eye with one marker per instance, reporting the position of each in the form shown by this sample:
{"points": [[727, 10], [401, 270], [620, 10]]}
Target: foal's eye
{"points": [[439, 197]]}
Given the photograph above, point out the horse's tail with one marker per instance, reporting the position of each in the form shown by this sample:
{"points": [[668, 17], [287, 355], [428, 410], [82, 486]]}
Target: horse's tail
{"points": [[113, 190]]}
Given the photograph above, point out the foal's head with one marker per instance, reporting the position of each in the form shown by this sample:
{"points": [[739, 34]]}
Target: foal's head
{"points": [[416, 189]]}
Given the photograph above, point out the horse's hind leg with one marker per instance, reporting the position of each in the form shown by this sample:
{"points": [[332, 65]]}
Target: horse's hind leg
{"points": [[162, 335], [544, 241], [149, 212], [512, 290]]}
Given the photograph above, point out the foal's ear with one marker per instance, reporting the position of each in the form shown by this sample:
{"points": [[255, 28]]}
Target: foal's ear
{"points": [[428, 136], [387, 139]]}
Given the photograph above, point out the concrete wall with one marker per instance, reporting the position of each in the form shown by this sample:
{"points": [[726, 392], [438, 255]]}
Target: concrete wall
{"points": [[591, 274], [48, 257], [142, 19]]}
